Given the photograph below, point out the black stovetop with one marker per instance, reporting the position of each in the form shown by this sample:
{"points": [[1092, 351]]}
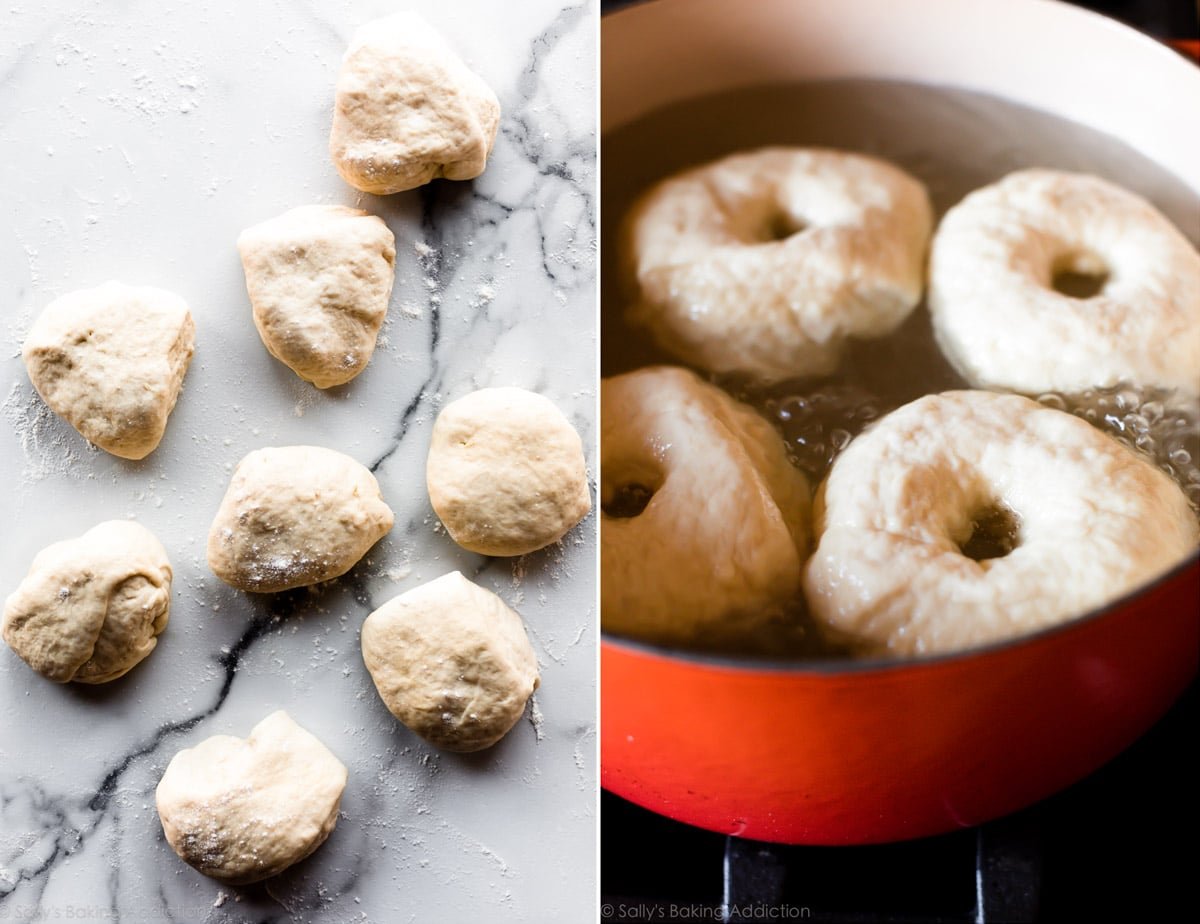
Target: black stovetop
{"points": [[1120, 845]]}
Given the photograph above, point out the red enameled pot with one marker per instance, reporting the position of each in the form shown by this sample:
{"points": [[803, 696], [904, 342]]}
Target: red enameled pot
{"points": [[860, 752]]}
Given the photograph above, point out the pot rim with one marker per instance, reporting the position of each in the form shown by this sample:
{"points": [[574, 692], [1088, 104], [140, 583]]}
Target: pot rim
{"points": [[834, 667]]}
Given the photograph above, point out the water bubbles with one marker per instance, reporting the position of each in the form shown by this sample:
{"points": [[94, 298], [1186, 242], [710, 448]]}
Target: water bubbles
{"points": [[818, 425], [1152, 411], [1128, 399], [1148, 420], [1137, 423]]}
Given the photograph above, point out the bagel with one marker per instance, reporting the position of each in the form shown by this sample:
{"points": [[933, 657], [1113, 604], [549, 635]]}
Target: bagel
{"points": [[703, 518], [1000, 320], [764, 263], [894, 522]]}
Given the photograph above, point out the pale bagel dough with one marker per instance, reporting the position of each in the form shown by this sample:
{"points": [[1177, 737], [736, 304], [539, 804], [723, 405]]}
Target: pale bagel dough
{"points": [[408, 110], [110, 361], [1095, 521], [91, 608], [716, 552], [452, 662], [505, 472], [319, 279], [243, 809], [766, 262], [1002, 324], [295, 515]]}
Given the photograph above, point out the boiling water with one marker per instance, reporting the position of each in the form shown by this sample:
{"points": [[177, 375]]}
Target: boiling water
{"points": [[954, 141]]}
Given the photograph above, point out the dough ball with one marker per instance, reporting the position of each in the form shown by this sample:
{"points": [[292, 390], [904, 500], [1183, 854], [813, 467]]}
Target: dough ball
{"points": [[244, 809], [319, 278], [704, 523], [295, 515], [451, 662], [506, 472], [408, 110], [91, 608], [110, 361]]}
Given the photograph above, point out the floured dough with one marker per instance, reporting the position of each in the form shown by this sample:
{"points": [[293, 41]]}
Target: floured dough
{"points": [[110, 361], [767, 262], [408, 110], [295, 515], [452, 662], [91, 608], [704, 520], [505, 472], [319, 278], [244, 809], [1001, 322], [1090, 521]]}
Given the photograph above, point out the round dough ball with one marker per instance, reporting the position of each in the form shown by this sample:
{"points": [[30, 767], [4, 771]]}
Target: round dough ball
{"points": [[506, 472], [110, 361], [767, 262], [704, 521], [970, 517], [319, 279], [408, 110], [91, 608], [1001, 321], [243, 809], [295, 515], [451, 662]]}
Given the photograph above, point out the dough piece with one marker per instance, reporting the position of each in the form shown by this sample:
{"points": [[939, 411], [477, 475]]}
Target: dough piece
{"points": [[704, 524], [1001, 322], [91, 608], [110, 361], [295, 515], [319, 278], [1086, 521], [451, 662], [243, 809], [506, 472], [408, 110], [767, 262]]}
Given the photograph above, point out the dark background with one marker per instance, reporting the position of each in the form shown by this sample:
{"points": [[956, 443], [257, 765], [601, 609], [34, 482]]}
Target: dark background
{"points": [[1165, 19]]}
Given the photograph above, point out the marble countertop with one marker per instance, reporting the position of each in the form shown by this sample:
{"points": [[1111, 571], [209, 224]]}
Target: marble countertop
{"points": [[137, 140]]}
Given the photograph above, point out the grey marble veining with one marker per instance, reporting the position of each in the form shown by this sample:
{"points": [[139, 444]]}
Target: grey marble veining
{"points": [[136, 140]]}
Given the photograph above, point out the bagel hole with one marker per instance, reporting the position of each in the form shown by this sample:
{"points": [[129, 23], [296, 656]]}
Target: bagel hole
{"points": [[780, 225], [1079, 275], [995, 532], [627, 501], [626, 489]]}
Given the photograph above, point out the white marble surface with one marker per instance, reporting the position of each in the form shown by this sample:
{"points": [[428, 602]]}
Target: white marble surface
{"points": [[137, 138]]}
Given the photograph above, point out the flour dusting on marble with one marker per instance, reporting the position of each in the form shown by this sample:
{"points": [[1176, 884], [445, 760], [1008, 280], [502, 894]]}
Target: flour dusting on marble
{"points": [[494, 275], [536, 719], [46, 448]]}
